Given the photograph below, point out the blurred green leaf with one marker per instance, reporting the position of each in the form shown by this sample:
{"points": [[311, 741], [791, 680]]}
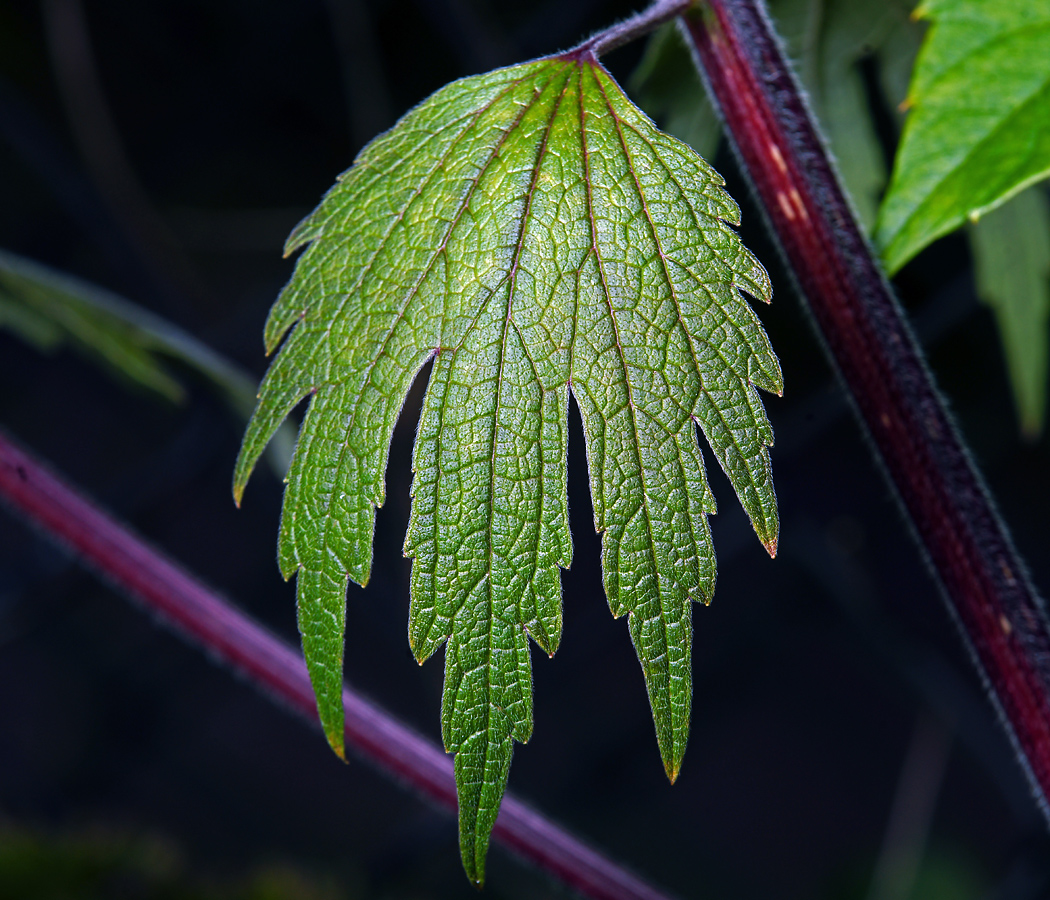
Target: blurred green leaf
{"points": [[103, 864], [1011, 251], [943, 877], [979, 127], [49, 309]]}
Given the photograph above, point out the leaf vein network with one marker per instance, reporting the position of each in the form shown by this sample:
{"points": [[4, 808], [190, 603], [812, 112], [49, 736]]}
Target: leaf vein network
{"points": [[671, 289], [742, 380], [511, 285], [412, 293], [619, 345]]}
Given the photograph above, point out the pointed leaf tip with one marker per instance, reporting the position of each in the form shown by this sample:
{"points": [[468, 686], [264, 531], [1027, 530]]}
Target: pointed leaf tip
{"points": [[335, 736], [337, 745]]}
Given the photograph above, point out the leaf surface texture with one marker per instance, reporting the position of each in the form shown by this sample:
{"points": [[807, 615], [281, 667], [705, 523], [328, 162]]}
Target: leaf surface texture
{"points": [[532, 233]]}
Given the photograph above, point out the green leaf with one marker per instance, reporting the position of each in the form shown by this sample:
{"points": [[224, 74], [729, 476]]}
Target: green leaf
{"points": [[530, 232], [979, 129], [1011, 252]]}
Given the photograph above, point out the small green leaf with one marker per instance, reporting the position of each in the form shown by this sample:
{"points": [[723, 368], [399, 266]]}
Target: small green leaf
{"points": [[532, 233], [1011, 252], [979, 128]]}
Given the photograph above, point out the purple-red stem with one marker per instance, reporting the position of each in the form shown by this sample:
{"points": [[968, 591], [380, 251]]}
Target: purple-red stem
{"points": [[233, 637], [987, 588]]}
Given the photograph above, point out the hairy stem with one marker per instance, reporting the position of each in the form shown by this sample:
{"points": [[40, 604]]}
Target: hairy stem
{"points": [[632, 28], [227, 634], [1002, 619]]}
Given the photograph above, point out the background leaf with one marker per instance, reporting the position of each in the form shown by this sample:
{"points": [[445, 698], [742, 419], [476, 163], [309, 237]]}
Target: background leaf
{"points": [[979, 127], [50, 309], [530, 231], [1011, 254]]}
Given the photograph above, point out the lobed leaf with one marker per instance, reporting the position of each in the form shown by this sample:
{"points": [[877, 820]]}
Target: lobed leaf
{"points": [[532, 233]]}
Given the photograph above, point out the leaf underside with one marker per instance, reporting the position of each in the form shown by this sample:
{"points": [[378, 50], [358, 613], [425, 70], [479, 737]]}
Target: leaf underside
{"points": [[979, 127], [530, 231]]}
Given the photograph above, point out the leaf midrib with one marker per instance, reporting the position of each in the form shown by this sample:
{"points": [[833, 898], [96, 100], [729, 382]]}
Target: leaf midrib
{"points": [[678, 314], [945, 225], [511, 280], [995, 127], [743, 381]]}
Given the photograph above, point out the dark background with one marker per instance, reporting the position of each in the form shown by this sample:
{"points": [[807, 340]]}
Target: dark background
{"points": [[836, 718]]}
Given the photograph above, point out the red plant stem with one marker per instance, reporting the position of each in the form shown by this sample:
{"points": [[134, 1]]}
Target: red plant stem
{"points": [[229, 635], [984, 581]]}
